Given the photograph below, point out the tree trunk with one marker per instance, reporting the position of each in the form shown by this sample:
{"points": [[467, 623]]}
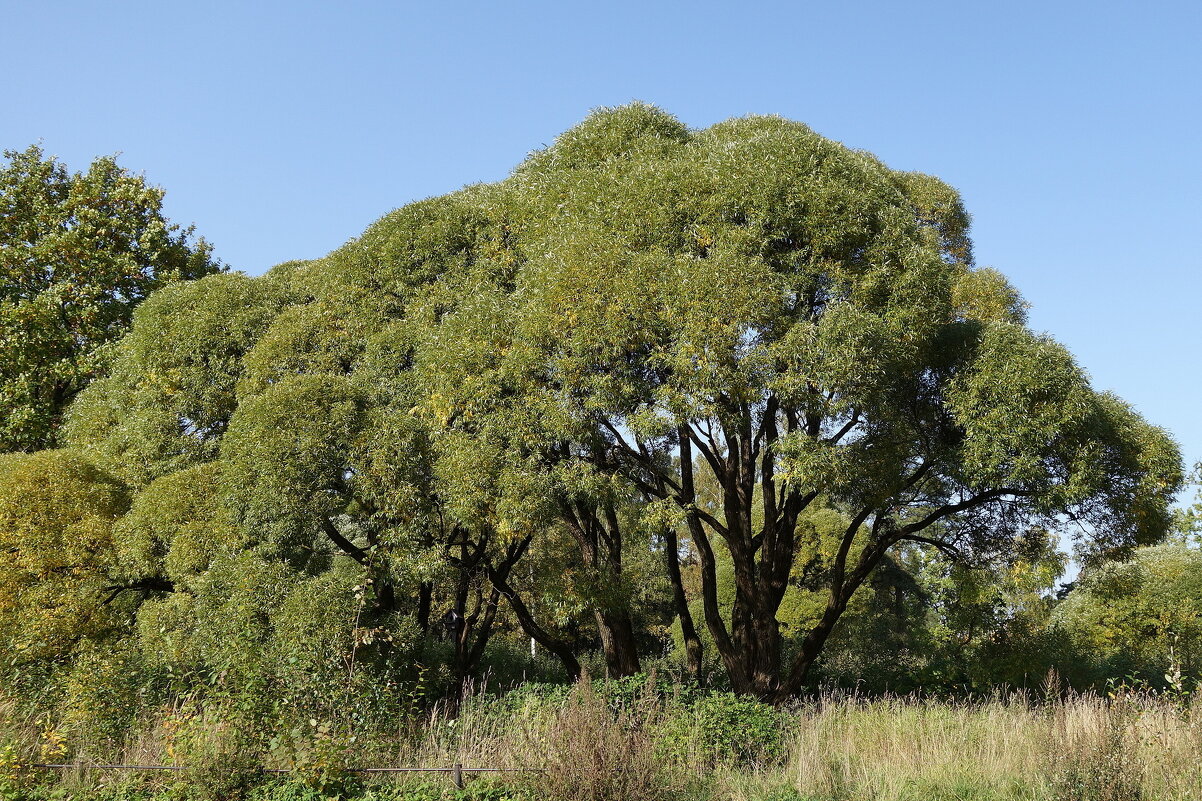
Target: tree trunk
{"points": [[425, 594], [688, 631], [534, 631], [617, 640], [598, 534]]}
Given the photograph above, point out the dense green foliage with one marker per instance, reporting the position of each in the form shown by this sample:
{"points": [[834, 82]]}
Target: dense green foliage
{"points": [[77, 253], [734, 404], [56, 529], [1143, 616], [795, 325]]}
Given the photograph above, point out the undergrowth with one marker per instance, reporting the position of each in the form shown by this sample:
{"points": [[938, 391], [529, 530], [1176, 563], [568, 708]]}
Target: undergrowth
{"points": [[640, 741]]}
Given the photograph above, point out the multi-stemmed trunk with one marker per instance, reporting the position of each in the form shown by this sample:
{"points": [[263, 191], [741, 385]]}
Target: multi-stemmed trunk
{"points": [[754, 519], [471, 624], [750, 646]]}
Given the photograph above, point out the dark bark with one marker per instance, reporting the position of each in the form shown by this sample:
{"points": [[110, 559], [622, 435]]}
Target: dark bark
{"points": [[598, 534], [485, 631], [618, 643], [741, 457], [709, 581], [841, 590], [144, 586], [529, 625], [425, 593], [345, 545], [688, 631], [471, 631], [385, 591], [385, 597]]}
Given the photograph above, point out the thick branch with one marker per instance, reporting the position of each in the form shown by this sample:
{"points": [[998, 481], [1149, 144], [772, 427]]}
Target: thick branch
{"points": [[352, 550], [715, 463], [946, 547], [954, 508], [640, 456], [709, 581], [531, 626], [155, 584], [833, 439]]}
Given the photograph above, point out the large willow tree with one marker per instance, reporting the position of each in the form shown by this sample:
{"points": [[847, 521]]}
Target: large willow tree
{"points": [[804, 325]]}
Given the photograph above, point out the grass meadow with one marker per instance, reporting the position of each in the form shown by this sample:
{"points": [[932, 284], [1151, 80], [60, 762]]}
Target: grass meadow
{"points": [[598, 742]]}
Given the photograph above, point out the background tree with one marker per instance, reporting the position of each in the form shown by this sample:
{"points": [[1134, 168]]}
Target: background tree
{"points": [[928, 621], [77, 253], [1139, 617], [57, 588]]}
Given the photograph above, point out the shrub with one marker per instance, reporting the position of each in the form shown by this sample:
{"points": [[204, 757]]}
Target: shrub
{"points": [[14, 773], [745, 729], [725, 728], [319, 758], [223, 759]]}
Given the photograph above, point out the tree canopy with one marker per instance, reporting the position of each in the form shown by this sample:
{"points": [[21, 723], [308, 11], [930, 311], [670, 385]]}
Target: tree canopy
{"points": [[658, 379], [803, 324], [78, 251]]}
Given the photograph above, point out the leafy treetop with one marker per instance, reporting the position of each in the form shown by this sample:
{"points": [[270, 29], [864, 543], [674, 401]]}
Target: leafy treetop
{"points": [[77, 253]]}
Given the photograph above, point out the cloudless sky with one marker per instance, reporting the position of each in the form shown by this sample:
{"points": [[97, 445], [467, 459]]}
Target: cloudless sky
{"points": [[283, 129]]}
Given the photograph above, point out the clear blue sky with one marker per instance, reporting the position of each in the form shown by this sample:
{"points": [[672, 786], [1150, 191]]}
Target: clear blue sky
{"points": [[283, 129]]}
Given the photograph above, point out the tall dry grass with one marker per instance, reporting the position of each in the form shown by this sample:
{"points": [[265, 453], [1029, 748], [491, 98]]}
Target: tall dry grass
{"points": [[1132, 747], [1083, 747], [579, 747]]}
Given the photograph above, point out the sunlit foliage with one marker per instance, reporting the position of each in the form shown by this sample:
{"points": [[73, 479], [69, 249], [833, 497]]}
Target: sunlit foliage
{"points": [[78, 252], [732, 400]]}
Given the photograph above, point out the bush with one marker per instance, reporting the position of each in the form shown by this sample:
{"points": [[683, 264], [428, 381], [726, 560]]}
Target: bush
{"points": [[102, 695], [746, 729], [726, 728], [631, 690], [223, 759]]}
